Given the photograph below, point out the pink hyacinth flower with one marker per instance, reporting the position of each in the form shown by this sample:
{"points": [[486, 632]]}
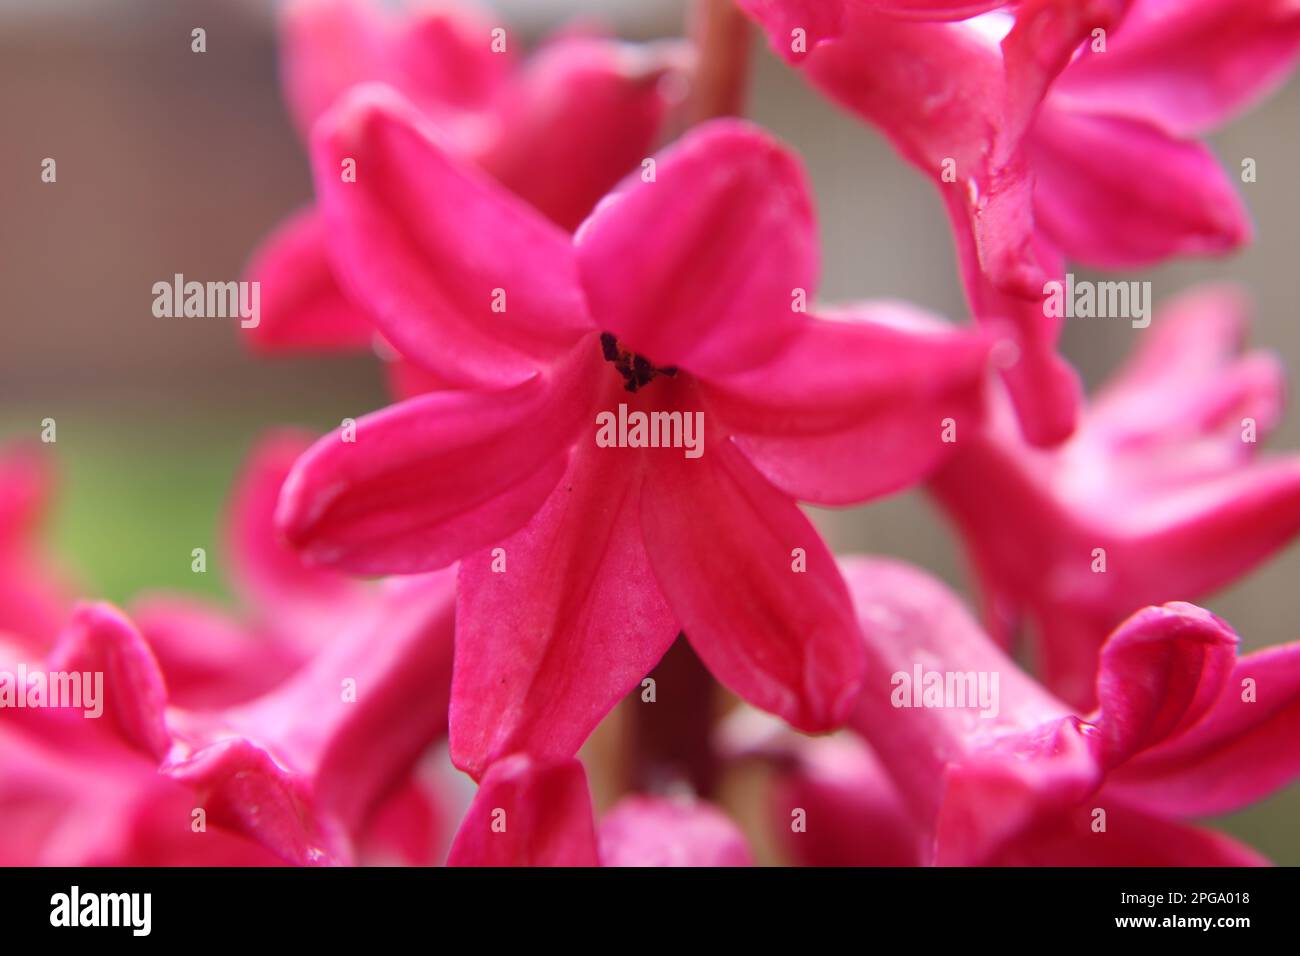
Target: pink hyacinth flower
{"points": [[1044, 150], [1184, 729], [581, 564], [307, 774], [558, 129], [1161, 494], [33, 598], [539, 813]]}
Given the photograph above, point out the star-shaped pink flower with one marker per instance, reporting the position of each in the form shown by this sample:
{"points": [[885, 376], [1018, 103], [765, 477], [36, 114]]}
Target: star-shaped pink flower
{"points": [[1184, 729], [1161, 495], [682, 296]]}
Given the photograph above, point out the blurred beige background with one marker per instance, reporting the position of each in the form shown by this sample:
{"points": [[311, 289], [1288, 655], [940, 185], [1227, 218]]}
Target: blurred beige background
{"points": [[174, 162]]}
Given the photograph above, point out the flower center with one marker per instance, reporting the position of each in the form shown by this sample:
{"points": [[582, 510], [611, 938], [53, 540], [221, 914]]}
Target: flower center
{"points": [[635, 369]]}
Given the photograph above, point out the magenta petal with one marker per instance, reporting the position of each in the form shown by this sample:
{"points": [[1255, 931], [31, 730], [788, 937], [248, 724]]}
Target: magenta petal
{"points": [[240, 786], [357, 717], [208, 658], [996, 798], [1160, 672], [910, 620], [871, 383], [406, 829], [659, 831], [733, 239], [1188, 67], [1095, 198], [753, 585], [302, 306], [459, 275], [558, 626], [439, 56], [528, 813], [1206, 533], [328, 46], [99, 639], [32, 603], [1132, 837], [1241, 751], [430, 479], [584, 111], [267, 574], [853, 815], [72, 795], [1186, 382]]}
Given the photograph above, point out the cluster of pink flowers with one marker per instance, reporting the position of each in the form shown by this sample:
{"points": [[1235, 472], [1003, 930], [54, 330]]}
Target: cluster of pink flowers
{"points": [[529, 245]]}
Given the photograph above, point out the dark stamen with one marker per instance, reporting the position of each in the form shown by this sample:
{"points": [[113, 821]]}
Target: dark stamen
{"points": [[635, 370]]}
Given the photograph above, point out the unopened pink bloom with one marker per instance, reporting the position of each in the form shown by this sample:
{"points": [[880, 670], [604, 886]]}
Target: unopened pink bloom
{"points": [[1160, 495], [539, 813], [581, 563], [558, 129], [1184, 729], [33, 603], [1045, 151]]}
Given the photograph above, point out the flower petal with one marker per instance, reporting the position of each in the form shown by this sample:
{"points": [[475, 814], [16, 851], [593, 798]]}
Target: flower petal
{"points": [[241, 787], [430, 479], [1096, 199], [100, 640], [208, 658], [1241, 751], [357, 717], [1186, 381], [1188, 67], [556, 628], [267, 574], [528, 813], [33, 605], [913, 623], [1160, 672], [440, 57], [753, 585], [584, 111], [852, 813], [855, 406], [460, 276], [302, 306], [658, 831], [1131, 837], [732, 240]]}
